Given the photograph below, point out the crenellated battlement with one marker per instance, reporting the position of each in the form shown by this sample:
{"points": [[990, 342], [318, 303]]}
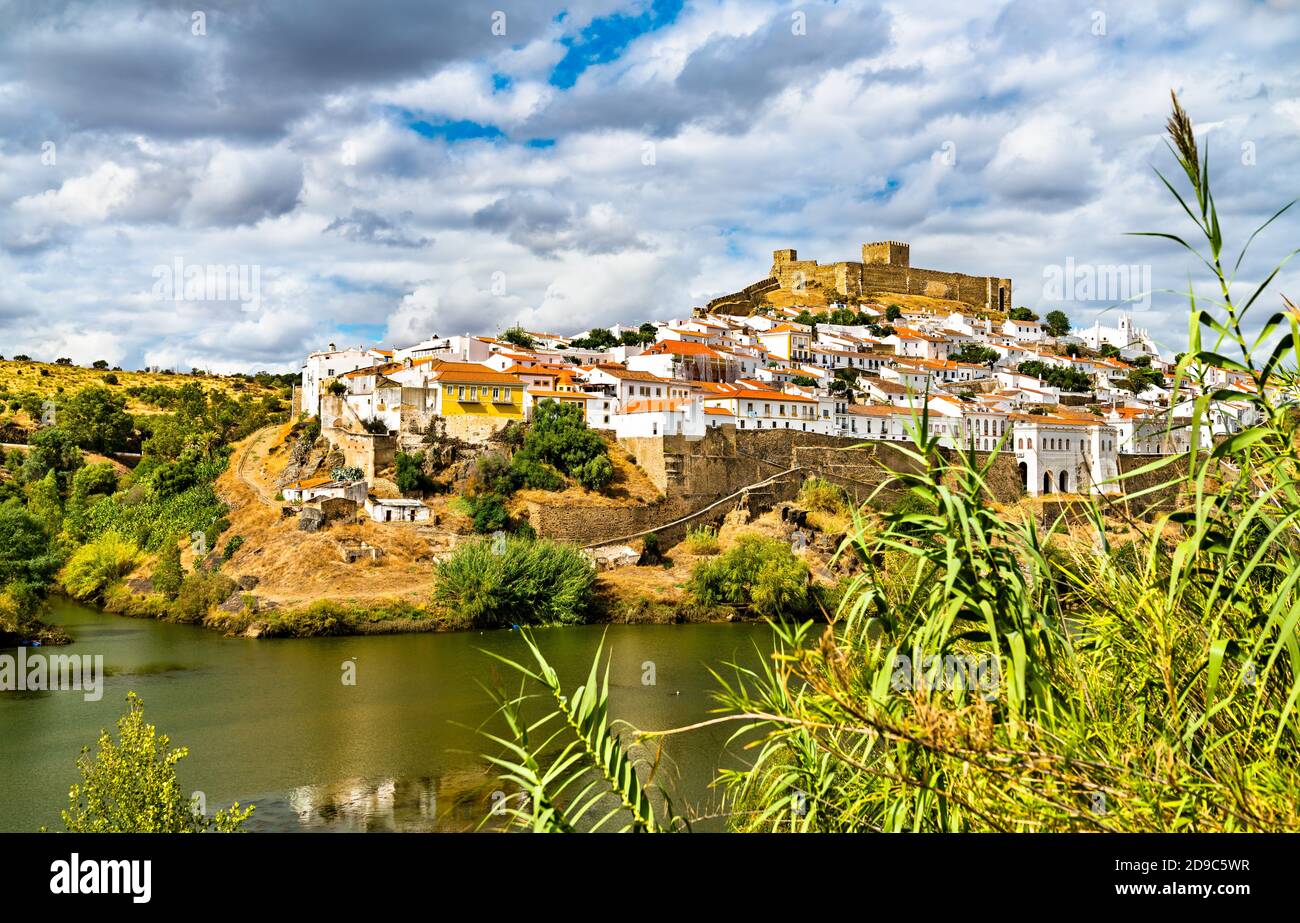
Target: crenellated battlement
{"points": [[886, 266]]}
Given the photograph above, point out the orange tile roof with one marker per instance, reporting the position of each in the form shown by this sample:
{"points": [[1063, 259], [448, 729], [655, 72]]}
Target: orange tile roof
{"points": [[681, 348], [309, 482], [761, 396], [654, 405], [474, 374], [561, 395], [628, 374]]}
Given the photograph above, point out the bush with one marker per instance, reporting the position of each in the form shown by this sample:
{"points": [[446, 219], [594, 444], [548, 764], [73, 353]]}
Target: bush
{"points": [[97, 564], [26, 553], [533, 474], [702, 540], [199, 593], [595, 473], [757, 573], [495, 474], [652, 551], [495, 583], [559, 436], [821, 496], [167, 573], [99, 478], [488, 512], [232, 546], [410, 476]]}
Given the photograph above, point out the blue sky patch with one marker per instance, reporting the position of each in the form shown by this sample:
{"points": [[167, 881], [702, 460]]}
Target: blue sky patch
{"points": [[453, 131], [606, 37]]}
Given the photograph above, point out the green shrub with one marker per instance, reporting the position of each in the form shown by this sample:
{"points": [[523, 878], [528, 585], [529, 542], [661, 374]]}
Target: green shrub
{"points": [[495, 583], [702, 540], [757, 573], [531, 473], [595, 473], [97, 564], [559, 436], [489, 513], [199, 592], [652, 551], [232, 546], [410, 477], [821, 496], [26, 552]]}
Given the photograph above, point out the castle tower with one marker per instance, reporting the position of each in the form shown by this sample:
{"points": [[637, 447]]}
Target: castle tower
{"points": [[888, 253]]}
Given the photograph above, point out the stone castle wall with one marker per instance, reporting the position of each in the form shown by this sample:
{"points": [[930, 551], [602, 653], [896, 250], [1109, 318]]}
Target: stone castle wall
{"points": [[694, 473], [886, 267]]}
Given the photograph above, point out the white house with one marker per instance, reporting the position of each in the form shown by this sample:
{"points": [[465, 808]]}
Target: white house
{"points": [[315, 488], [322, 366], [1024, 330], [1059, 454], [653, 417], [396, 510], [755, 409]]}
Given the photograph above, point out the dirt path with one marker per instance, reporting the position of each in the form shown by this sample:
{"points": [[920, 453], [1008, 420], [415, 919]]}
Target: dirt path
{"points": [[245, 451]]}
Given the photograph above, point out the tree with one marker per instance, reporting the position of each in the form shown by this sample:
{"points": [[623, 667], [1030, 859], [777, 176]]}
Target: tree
{"points": [[26, 552], [410, 477], [596, 338], [51, 449], [97, 419], [1108, 351], [804, 381], [1022, 314], [649, 333], [1057, 323], [559, 436], [167, 573], [99, 364], [520, 337], [489, 513], [130, 786], [893, 312], [99, 478], [1057, 376], [1139, 379], [595, 473], [44, 502], [975, 354]]}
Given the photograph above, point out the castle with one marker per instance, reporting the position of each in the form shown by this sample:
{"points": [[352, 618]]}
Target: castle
{"points": [[886, 266]]}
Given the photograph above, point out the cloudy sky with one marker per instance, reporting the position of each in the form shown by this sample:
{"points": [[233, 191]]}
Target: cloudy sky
{"points": [[385, 171]]}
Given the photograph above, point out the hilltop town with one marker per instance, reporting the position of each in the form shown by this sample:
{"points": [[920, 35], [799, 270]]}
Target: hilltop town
{"points": [[1066, 404]]}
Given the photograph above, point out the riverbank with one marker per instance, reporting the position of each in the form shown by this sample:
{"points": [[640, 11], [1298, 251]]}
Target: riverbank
{"points": [[656, 591]]}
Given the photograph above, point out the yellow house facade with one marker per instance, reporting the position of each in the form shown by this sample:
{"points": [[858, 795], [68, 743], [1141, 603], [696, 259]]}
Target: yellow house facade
{"points": [[466, 388]]}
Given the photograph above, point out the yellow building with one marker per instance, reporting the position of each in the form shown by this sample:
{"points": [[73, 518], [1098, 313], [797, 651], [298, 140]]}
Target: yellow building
{"points": [[792, 342], [468, 388]]}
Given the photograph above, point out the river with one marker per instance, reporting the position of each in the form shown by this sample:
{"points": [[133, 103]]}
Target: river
{"points": [[272, 722]]}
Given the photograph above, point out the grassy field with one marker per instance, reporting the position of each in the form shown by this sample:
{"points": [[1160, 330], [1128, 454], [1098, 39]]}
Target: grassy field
{"points": [[46, 381]]}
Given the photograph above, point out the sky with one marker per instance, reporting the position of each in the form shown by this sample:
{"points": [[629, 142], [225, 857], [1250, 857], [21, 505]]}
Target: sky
{"points": [[375, 173]]}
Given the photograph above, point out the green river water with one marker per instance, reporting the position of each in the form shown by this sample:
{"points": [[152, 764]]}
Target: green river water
{"points": [[272, 723]]}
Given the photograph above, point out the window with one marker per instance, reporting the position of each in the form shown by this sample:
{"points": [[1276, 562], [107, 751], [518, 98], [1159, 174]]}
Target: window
{"points": [[506, 396], [451, 389], [496, 394], [460, 392]]}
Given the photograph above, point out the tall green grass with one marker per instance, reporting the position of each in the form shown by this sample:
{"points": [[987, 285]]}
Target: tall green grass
{"points": [[502, 581]]}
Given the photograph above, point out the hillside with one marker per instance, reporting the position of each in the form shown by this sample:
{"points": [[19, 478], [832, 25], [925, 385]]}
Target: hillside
{"points": [[24, 385]]}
